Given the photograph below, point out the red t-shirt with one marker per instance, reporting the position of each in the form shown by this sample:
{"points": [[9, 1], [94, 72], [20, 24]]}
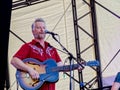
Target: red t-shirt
{"points": [[34, 50]]}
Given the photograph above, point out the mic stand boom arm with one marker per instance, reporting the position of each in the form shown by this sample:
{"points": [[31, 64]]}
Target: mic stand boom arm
{"points": [[70, 54]]}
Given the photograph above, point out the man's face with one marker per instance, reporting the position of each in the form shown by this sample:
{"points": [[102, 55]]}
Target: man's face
{"points": [[39, 30]]}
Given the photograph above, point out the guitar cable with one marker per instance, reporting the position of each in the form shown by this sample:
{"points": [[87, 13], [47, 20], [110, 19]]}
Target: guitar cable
{"points": [[17, 85]]}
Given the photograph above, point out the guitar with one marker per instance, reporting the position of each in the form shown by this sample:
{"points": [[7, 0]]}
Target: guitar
{"points": [[48, 74]]}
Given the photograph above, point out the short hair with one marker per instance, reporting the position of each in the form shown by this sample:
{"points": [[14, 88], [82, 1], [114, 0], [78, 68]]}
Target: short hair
{"points": [[38, 20]]}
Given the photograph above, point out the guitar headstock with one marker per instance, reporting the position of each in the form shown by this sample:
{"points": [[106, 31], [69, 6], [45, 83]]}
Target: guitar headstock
{"points": [[92, 63]]}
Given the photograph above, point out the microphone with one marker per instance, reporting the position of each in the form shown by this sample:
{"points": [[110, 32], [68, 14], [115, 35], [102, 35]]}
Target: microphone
{"points": [[48, 32]]}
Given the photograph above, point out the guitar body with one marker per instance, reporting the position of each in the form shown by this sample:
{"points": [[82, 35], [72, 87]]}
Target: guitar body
{"points": [[45, 74]]}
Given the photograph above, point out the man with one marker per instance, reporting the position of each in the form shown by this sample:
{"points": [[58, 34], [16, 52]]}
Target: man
{"points": [[38, 49], [116, 84]]}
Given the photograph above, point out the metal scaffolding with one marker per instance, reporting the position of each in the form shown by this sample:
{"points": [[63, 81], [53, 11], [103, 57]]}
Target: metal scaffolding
{"points": [[25, 3], [95, 39]]}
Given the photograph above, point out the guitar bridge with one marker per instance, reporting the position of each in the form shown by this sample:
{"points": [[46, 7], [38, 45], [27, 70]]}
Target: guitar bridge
{"points": [[35, 83]]}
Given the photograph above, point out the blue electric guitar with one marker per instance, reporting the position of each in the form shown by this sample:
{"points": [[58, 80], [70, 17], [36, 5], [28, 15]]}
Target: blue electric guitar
{"points": [[48, 74]]}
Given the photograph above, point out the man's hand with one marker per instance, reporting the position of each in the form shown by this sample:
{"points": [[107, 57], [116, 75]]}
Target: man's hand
{"points": [[33, 73]]}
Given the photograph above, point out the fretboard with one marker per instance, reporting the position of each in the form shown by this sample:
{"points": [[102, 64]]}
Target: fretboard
{"points": [[64, 68]]}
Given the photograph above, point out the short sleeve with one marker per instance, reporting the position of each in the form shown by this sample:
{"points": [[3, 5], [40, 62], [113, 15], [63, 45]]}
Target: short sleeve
{"points": [[23, 52]]}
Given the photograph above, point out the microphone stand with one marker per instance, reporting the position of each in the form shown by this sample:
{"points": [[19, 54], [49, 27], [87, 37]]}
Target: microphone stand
{"points": [[70, 59]]}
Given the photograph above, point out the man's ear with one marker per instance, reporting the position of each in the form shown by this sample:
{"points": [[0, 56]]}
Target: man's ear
{"points": [[32, 31]]}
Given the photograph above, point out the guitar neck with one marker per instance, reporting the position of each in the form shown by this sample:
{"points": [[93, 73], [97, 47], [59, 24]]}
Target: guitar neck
{"points": [[65, 68], [74, 66]]}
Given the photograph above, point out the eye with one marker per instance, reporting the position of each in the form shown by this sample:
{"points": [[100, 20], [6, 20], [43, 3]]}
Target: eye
{"points": [[37, 27]]}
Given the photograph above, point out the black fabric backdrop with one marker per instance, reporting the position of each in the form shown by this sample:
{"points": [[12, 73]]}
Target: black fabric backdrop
{"points": [[5, 17]]}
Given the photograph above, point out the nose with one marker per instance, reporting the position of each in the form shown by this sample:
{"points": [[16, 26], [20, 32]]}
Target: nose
{"points": [[42, 30]]}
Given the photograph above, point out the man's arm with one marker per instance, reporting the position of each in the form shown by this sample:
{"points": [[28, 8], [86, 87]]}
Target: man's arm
{"points": [[116, 83], [19, 64], [115, 86]]}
